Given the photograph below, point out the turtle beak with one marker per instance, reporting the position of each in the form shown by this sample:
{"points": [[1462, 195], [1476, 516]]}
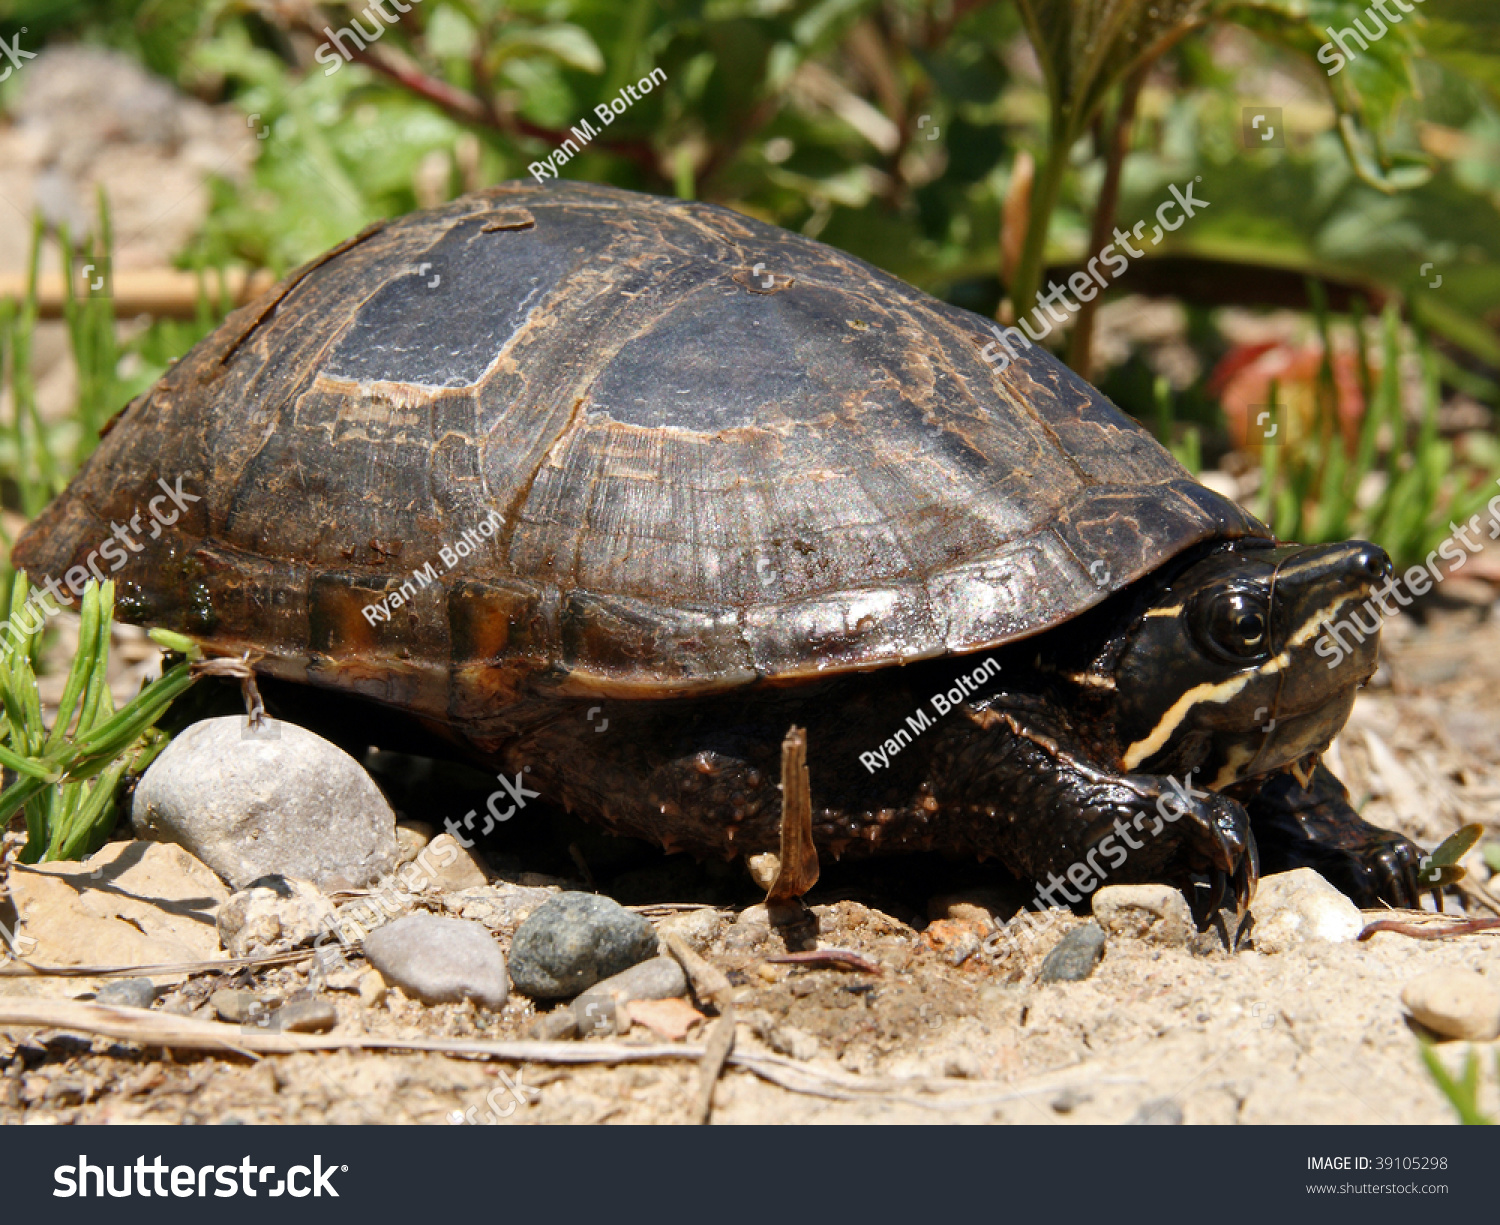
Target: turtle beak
{"points": [[1327, 605], [1330, 601]]}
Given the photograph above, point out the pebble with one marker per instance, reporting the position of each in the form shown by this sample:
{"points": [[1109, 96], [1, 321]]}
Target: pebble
{"points": [[310, 1016], [275, 914], [411, 837], [660, 978], [500, 906], [750, 929], [599, 1017], [1074, 957], [1157, 914], [371, 989], [671, 1020], [764, 868], [248, 806], [793, 1042], [1300, 907], [573, 941], [986, 906], [1455, 1004], [554, 1026], [698, 928], [440, 961], [450, 866], [239, 1007], [127, 992]]}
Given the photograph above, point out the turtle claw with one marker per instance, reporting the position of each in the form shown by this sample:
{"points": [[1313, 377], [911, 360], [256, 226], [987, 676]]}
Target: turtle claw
{"points": [[1247, 876], [1218, 891], [1393, 870], [1299, 827]]}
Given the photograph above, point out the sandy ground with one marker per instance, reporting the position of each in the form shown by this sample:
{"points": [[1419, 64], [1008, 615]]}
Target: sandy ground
{"points": [[1198, 1035]]}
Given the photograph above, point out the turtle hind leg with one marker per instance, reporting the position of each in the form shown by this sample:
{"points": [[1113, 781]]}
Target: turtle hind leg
{"points": [[1316, 827]]}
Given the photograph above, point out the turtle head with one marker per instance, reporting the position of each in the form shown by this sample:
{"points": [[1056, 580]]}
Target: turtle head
{"points": [[1249, 660]]}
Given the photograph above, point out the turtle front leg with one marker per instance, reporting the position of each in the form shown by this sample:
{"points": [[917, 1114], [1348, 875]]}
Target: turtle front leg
{"points": [[1316, 827], [1076, 825]]}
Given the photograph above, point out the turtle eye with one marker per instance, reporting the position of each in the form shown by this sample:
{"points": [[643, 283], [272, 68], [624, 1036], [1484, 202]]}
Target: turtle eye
{"points": [[1232, 624]]}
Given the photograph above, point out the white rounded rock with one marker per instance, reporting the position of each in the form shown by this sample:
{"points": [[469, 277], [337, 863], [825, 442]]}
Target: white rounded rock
{"points": [[282, 801], [1157, 914], [1455, 1004], [1300, 907]]}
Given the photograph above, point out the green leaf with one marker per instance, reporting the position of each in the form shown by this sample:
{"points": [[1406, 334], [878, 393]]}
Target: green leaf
{"points": [[569, 44], [1463, 1094]]}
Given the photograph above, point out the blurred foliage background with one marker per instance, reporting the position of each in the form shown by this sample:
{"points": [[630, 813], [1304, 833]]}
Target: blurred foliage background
{"points": [[1343, 279]]}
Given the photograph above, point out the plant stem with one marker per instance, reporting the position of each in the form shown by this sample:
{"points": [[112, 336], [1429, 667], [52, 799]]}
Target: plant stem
{"points": [[1081, 347], [1044, 193]]}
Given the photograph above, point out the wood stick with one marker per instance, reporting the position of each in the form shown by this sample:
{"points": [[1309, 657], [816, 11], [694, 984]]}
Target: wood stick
{"points": [[799, 857]]}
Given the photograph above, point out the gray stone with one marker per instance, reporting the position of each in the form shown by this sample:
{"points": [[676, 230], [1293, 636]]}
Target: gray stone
{"points": [[249, 805], [596, 1016], [275, 914], [240, 1007], [1455, 1004], [127, 992], [1074, 957], [660, 978], [573, 941], [556, 1026], [440, 961], [311, 1016], [1157, 914], [1300, 907]]}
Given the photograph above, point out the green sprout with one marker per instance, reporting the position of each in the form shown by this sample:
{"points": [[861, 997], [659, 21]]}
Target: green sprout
{"points": [[1309, 492], [1463, 1093], [67, 777]]}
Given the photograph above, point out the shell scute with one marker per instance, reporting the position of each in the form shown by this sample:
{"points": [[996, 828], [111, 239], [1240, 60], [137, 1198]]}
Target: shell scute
{"points": [[696, 485]]}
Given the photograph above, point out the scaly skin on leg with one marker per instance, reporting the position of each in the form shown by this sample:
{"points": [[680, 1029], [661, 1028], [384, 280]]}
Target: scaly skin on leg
{"points": [[1075, 826], [1315, 827]]}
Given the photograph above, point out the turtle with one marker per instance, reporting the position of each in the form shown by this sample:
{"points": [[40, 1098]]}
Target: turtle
{"points": [[606, 491]]}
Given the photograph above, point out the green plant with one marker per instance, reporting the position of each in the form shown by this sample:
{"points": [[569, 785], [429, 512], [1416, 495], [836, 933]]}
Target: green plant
{"points": [[67, 777], [91, 331], [1463, 1093], [1311, 485], [27, 443], [1095, 58]]}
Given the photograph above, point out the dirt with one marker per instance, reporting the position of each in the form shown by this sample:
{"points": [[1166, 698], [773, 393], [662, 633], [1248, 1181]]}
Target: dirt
{"points": [[945, 1031]]}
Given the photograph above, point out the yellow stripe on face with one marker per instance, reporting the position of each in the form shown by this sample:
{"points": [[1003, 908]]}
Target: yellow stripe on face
{"points": [[1239, 755], [1214, 693], [1315, 623], [1218, 692]]}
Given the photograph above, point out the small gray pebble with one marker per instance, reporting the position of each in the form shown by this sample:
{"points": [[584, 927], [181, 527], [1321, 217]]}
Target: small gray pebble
{"points": [[660, 978], [440, 961], [127, 992], [555, 1026], [239, 1007], [314, 1016], [1074, 956], [1161, 1111], [571, 942]]}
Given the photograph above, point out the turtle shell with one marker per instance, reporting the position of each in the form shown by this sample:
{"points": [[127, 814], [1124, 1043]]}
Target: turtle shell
{"points": [[667, 448]]}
